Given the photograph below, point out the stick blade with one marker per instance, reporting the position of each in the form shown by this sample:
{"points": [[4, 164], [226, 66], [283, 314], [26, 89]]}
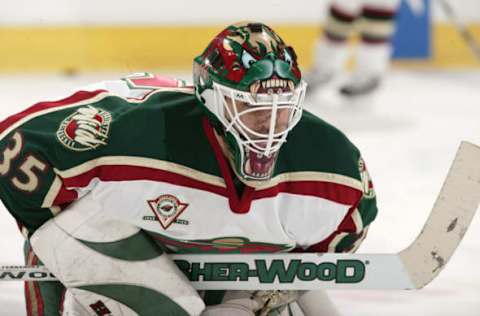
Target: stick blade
{"points": [[449, 219]]}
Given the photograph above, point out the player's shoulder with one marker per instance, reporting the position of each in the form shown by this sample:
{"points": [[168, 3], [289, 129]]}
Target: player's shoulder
{"points": [[120, 97], [138, 86], [316, 145], [135, 89], [323, 134], [117, 117], [140, 94]]}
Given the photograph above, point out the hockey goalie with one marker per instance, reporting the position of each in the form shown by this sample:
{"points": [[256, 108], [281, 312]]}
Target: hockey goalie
{"points": [[109, 181]]}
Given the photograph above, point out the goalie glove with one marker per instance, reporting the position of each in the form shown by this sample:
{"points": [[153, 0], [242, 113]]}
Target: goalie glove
{"points": [[247, 303]]}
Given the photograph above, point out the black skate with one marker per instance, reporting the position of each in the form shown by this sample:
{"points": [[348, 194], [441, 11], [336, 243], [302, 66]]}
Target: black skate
{"points": [[360, 88], [317, 79]]}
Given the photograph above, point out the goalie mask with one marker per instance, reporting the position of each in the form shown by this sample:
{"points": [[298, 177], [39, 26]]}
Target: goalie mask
{"points": [[250, 83]]}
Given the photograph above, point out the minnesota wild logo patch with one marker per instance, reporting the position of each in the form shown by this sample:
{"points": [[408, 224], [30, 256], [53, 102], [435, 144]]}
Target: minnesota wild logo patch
{"points": [[85, 129], [167, 208]]}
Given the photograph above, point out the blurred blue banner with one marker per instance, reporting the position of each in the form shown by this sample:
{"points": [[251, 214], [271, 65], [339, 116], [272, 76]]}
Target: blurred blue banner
{"points": [[413, 36]]}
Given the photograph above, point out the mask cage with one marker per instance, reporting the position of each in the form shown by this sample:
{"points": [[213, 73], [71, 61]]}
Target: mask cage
{"points": [[258, 142]]}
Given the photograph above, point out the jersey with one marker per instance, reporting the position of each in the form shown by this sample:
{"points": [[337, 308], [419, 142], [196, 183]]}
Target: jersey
{"points": [[142, 149]]}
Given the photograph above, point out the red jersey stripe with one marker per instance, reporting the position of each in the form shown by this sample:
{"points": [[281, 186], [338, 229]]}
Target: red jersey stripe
{"points": [[129, 173], [41, 106], [65, 196], [334, 192], [331, 191], [38, 294]]}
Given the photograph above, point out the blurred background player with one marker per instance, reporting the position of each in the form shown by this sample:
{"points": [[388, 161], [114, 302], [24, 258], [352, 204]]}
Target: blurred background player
{"points": [[374, 21]]}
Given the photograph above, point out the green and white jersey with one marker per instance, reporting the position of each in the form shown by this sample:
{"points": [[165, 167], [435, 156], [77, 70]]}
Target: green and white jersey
{"points": [[143, 151]]}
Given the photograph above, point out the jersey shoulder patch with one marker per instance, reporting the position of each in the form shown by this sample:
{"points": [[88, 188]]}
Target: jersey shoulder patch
{"points": [[139, 86], [145, 80]]}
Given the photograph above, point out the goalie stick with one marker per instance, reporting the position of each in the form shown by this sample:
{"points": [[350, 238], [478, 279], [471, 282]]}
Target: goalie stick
{"points": [[412, 268], [466, 35]]}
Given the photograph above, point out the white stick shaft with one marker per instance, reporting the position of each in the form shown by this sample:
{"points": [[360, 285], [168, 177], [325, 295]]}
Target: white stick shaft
{"points": [[297, 271], [449, 219]]}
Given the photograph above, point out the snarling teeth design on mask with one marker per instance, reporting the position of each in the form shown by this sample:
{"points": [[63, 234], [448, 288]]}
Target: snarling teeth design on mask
{"points": [[258, 165], [254, 87], [270, 86]]}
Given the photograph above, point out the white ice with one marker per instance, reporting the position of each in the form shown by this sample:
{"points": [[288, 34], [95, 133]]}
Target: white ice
{"points": [[408, 134]]}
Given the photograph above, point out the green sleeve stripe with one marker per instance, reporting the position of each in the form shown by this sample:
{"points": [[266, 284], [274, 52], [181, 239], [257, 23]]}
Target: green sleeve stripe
{"points": [[137, 247]]}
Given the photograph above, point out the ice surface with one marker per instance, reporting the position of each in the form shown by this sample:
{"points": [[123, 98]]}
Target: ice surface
{"points": [[408, 134]]}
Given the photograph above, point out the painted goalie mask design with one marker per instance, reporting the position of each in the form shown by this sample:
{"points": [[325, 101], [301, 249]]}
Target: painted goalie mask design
{"points": [[250, 83]]}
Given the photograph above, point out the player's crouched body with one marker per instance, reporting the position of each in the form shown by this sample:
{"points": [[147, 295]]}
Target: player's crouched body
{"points": [[112, 268], [108, 181]]}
